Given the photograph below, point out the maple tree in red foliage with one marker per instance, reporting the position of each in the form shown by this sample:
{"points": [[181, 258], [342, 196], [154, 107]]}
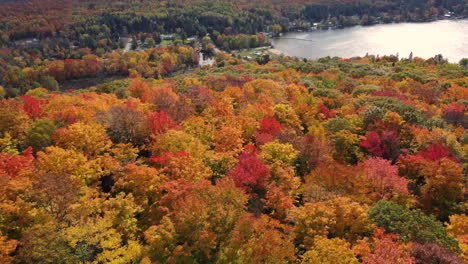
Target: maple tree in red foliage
{"points": [[270, 125], [13, 164], [436, 152], [373, 144], [32, 106], [383, 177], [250, 173], [160, 122], [384, 249], [454, 113], [326, 111], [385, 145]]}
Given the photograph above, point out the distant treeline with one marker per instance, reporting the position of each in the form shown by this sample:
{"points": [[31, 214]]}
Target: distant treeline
{"points": [[32, 33], [45, 18]]}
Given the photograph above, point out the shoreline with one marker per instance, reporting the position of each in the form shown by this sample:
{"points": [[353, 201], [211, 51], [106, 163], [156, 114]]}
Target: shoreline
{"points": [[325, 28], [277, 52]]}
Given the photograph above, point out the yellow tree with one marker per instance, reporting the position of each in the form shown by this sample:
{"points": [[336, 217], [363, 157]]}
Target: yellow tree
{"points": [[175, 141], [142, 181], [96, 241], [182, 165], [444, 187], [339, 217], [14, 119], [288, 116], [458, 228], [62, 176], [89, 139], [199, 128], [199, 224], [258, 240], [275, 152], [329, 251]]}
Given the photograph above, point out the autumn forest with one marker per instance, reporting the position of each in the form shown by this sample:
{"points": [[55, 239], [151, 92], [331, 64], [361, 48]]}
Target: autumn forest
{"points": [[271, 159]]}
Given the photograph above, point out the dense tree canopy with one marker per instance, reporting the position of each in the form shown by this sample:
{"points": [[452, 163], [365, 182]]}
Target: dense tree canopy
{"points": [[235, 164], [360, 160]]}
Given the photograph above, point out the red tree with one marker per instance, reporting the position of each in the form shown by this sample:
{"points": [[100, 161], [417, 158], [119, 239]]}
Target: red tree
{"points": [[326, 111], [250, 173], [12, 165], [385, 145], [384, 249], [454, 113], [32, 106], [373, 144], [383, 177], [167, 67], [436, 152], [434, 253], [161, 122], [270, 125]]}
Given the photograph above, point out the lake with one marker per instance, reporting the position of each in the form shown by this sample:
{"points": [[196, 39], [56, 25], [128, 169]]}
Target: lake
{"points": [[446, 37]]}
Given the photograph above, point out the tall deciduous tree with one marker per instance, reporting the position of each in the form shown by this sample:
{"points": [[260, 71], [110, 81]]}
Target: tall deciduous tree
{"points": [[250, 173], [411, 225], [383, 248], [339, 217], [383, 178], [444, 188], [329, 251], [199, 225]]}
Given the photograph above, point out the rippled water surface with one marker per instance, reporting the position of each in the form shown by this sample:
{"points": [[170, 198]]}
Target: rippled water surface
{"points": [[446, 37]]}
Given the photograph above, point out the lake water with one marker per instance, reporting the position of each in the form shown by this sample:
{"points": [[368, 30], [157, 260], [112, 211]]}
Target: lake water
{"points": [[446, 37]]}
